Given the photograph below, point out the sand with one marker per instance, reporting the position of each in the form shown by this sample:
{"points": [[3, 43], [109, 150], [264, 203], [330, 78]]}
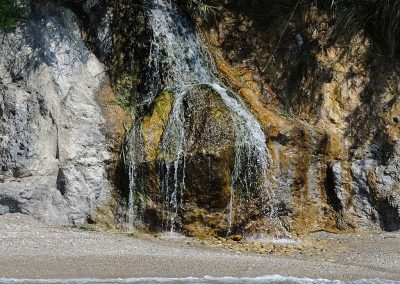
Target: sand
{"points": [[30, 249]]}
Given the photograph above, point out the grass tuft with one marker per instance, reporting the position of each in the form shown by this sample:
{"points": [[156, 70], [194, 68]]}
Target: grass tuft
{"points": [[380, 19]]}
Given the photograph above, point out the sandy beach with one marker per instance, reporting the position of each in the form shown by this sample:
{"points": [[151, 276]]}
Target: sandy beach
{"points": [[30, 249]]}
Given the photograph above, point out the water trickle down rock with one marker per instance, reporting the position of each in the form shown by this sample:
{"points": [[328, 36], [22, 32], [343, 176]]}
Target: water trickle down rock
{"points": [[134, 155], [179, 66]]}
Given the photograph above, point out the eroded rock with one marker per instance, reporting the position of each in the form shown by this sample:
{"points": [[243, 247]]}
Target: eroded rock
{"points": [[53, 147]]}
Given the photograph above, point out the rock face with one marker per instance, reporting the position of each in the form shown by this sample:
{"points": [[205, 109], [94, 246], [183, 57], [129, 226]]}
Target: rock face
{"points": [[201, 181], [330, 114], [296, 138], [329, 168], [53, 152], [377, 188]]}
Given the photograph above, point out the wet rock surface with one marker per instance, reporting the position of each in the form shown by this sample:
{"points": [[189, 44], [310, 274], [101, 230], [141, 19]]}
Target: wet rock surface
{"points": [[209, 153]]}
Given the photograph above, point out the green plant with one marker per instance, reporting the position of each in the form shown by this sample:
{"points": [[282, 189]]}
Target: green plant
{"points": [[86, 228], [123, 99], [285, 114], [124, 94], [202, 8], [9, 15]]}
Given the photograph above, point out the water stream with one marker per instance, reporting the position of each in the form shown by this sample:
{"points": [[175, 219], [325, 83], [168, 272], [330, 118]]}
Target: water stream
{"points": [[134, 155], [178, 62]]}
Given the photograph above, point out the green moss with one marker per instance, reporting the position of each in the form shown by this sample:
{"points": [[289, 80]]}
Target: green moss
{"points": [[9, 15], [163, 102], [124, 90], [154, 123]]}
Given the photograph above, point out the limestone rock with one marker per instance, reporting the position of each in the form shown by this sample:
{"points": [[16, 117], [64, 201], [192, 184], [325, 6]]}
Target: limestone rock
{"points": [[53, 152]]}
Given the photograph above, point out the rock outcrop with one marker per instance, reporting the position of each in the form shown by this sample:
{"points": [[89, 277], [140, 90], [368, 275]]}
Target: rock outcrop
{"points": [[330, 112], [193, 160], [54, 138], [202, 178]]}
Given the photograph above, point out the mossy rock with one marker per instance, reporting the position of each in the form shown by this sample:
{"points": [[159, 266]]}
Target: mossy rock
{"points": [[154, 122], [209, 158]]}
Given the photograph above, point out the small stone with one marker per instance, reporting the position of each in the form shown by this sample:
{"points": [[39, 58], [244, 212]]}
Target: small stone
{"points": [[236, 238]]}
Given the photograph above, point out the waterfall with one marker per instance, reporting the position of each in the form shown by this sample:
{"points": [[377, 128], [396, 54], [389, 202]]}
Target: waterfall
{"points": [[174, 147], [132, 156], [130, 218], [250, 148], [177, 63]]}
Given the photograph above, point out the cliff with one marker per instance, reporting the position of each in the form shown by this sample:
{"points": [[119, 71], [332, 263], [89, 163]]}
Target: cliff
{"points": [[145, 114]]}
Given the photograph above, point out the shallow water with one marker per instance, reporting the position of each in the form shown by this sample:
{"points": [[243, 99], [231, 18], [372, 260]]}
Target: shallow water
{"points": [[207, 279]]}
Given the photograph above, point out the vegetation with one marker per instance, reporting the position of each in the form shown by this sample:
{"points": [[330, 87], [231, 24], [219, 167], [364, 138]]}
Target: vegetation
{"points": [[202, 8], [124, 101], [124, 89], [9, 15], [380, 19]]}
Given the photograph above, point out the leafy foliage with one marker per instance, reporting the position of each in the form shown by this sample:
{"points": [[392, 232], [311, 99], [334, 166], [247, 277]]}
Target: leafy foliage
{"points": [[201, 7], [9, 15], [380, 19]]}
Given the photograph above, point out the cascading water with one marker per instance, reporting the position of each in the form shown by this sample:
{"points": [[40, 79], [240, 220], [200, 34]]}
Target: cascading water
{"points": [[252, 158], [173, 146], [132, 157], [178, 63]]}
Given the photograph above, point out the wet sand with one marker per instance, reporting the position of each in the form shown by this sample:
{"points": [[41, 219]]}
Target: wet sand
{"points": [[29, 249]]}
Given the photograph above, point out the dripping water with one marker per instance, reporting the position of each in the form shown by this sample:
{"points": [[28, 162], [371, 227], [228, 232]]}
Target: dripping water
{"points": [[178, 63], [131, 212], [251, 158], [135, 156]]}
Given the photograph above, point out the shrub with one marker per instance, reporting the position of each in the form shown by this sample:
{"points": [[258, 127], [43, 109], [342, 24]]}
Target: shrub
{"points": [[9, 15], [380, 19]]}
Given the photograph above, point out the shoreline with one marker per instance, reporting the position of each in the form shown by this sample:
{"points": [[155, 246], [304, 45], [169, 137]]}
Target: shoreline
{"points": [[32, 250]]}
